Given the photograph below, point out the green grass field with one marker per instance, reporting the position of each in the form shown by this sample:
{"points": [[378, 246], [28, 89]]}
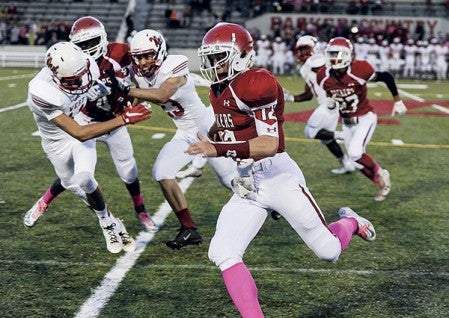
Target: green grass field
{"points": [[53, 269]]}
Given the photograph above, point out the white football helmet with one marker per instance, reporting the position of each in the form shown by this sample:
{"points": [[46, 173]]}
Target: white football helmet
{"points": [[305, 47], [70, 67], [148, 42], [90, 35], [226, 43], [339, 53]]}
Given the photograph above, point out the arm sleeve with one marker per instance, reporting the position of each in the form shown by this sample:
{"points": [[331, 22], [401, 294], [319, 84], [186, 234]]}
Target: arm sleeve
{"points": [[388, 79]]}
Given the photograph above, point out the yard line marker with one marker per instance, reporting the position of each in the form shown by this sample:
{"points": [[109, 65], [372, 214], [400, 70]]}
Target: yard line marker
{"points": [[440, 108], [13, 77], [199, 267], [13, 107], [101, 295]]}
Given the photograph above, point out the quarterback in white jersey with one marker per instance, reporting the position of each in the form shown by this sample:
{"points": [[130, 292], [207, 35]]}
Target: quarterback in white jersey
{"points": [[323, 122], [165, 80], [56, 94]]}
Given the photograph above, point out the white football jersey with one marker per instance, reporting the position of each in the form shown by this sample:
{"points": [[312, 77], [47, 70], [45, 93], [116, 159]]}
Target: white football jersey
{"points": [[47, 101], [309, 77], [185, 107]]}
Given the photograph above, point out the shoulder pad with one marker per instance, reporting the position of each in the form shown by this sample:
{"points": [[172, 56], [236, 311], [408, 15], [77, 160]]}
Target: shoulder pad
{"points": [[47, 92]]}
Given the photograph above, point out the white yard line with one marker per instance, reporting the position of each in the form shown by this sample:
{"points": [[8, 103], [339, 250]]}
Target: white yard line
{"points": [[101, 294], [440, 108], [13, 77], [4, 109]]}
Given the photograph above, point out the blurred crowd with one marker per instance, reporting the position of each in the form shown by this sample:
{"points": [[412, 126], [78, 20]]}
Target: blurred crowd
{"points": [[422, 59], [15, 31]]}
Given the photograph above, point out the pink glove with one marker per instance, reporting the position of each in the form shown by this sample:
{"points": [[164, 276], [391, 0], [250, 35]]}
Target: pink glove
{"points": [[134, 114]]}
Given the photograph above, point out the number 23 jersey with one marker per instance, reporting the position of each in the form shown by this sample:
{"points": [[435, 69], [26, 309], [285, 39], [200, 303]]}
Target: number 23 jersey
{"points": [[349, 90]]}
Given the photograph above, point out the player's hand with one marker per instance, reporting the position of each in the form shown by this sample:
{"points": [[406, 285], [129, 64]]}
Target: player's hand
{"points": [[97, 91], [134, 114], [203, 147], [115, 84], [399, 108], [287, 96]]}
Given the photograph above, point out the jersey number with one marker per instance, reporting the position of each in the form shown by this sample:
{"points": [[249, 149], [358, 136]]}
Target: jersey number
{"points": [[348, 104], [173, 108]]}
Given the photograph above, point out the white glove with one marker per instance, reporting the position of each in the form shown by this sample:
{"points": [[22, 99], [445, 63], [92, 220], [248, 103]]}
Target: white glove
{"points": [[399, 108], [288, 97], [243, 185], [97, 91], [330, 102]]}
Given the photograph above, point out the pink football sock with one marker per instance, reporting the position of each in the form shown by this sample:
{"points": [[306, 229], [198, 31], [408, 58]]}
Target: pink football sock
{"points": [[243, 290], [137, 199], [344, 229], [48, 196]]}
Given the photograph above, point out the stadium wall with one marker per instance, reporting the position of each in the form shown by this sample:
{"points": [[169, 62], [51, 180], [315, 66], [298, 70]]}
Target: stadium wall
{"points": [[432, 25]]}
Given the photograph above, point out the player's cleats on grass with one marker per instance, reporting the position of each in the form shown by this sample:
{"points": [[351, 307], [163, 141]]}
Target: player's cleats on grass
{"points": [[383, 185], [186, 236], [147, 222], [365, 230], [111, 227], [35, 213], [346, 167], [129, 245], [191, 171]]}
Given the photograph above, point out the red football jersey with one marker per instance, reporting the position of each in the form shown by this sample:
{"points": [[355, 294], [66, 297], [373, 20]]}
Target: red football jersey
{"points": [[349, 90], [250, 106], [117, 57]]}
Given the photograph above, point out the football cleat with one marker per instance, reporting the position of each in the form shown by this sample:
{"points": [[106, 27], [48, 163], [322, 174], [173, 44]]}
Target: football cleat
{"points": [[35, 212], [147, 222], [186, 236], [191, 171], [111, 227], [129, 245], [383, 185], [365, 230], [346, 167]]}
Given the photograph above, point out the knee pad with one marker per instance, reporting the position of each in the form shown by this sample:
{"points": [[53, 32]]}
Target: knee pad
{"points": [[86, 181], [310, 132], [222, 261]]}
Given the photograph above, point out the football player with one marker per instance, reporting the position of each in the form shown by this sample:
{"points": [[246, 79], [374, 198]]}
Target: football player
{"points": [[249, 106], [164, 79], [345, 82], [89, 34], [323, 122], [55, 95]]}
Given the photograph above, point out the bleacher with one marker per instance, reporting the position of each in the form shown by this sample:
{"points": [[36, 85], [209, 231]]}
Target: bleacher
{"points": [[110, 13], [190, 37]]}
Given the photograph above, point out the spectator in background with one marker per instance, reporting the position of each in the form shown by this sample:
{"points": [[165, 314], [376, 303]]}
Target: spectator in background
{"points": [[352, 8], [378, 7], [129, 23], [364, 7]]}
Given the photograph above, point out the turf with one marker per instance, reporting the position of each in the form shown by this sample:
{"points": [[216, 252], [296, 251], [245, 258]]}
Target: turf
{"points": [[53, 268]]}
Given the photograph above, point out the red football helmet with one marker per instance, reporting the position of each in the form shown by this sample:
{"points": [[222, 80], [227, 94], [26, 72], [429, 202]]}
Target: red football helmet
{"points": [[339, 53], [305, 47], [90, 35], [225, 43]]}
